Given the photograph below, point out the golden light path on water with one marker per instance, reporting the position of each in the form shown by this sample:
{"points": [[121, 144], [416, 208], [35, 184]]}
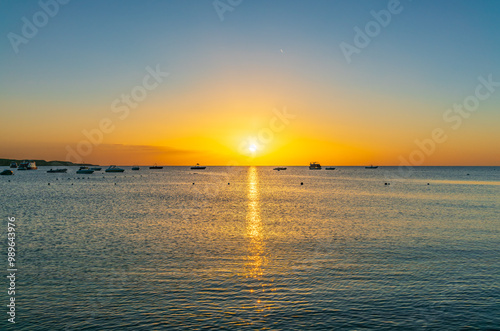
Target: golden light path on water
{"points": [[465, 182], [256, 258]]}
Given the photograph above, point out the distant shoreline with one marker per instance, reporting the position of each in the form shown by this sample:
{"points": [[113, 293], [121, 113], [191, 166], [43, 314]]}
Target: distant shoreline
{"points": [[41, 163]]}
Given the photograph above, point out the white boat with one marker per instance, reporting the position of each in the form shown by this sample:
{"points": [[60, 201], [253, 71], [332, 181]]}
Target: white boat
{"points": [[314, 166], [114, 169], [27, 165]]}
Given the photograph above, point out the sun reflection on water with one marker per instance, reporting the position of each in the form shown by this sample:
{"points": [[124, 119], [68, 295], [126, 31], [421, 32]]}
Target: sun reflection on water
{"points": [[256, 258]]}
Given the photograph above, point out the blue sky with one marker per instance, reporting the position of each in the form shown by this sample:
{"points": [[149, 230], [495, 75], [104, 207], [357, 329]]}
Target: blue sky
{"points": [[448, 41]]}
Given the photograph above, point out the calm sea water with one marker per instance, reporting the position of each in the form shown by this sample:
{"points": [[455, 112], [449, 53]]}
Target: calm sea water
{"points": [[251, 248]]}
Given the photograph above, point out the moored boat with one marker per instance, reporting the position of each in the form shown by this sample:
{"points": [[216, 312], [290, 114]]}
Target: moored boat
{"points": [[27, 165], [114, 169], [197, 167], [85, 170], [13, 164], [279, 168], [314, 166], [135, 168], [371, 167], [156, 167], [329, 168], [57, 171], [6, 173], [96, 169]]}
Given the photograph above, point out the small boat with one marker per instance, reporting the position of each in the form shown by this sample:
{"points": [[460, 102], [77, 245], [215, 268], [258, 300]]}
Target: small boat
{"points": [[135, 168], [156, 167], [96, 169], [197, 167], [27, 165], [371, 167], [279, 168], [13, 165], [85, 170], [314, 166], [114, 169], [329, 168], [6, 173], [57, 171]]}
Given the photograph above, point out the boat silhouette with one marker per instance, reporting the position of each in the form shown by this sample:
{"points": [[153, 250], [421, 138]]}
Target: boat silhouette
{"points": [[156, 167], [198, 167], [314, 166]]}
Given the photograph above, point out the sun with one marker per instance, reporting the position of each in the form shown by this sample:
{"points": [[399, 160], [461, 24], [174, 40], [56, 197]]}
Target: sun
{"points": [[252, 148]]}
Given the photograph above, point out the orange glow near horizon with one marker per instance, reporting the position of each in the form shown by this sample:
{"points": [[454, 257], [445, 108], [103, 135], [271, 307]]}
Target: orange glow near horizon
{"points": [[236, 121]]}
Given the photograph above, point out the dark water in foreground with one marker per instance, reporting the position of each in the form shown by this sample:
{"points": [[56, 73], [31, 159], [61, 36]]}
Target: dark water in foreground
{"points": [[342, 251]]}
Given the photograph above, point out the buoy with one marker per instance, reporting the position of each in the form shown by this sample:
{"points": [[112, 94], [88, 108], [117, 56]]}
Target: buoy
{"points": [[49, 183], [385, 183], [71, 183], [427, 183], [301, 183], [227, 183], [193, 183], [115, 183]]}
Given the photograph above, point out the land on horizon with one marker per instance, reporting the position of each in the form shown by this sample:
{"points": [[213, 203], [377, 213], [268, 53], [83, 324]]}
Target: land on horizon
{"points": [[42, 163]]}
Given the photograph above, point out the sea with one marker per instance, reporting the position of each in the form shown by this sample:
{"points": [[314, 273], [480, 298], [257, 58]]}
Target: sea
{"points": [[252, 248]]}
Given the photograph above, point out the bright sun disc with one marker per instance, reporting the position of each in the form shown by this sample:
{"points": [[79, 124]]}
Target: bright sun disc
{"points": [[252, 148]]}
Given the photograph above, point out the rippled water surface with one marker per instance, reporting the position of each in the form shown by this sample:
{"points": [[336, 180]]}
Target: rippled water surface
{"points": [[251, 248]]}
